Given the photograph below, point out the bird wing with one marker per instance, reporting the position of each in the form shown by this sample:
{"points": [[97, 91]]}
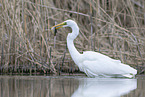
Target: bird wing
{"points": [[100, 68], [100, 64], [93, 56]]}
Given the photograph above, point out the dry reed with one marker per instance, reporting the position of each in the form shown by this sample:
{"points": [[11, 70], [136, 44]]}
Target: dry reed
{"points": [[115, 28]]}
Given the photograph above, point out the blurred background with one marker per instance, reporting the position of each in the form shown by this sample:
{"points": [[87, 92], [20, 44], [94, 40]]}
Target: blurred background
{"points": [[115, 28]]}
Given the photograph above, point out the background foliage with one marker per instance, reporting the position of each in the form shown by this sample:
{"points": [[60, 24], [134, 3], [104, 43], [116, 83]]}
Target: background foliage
{"points": [[115, 28]]}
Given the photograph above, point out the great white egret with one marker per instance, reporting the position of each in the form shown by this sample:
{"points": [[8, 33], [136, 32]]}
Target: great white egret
{"points": [[93, 63]]}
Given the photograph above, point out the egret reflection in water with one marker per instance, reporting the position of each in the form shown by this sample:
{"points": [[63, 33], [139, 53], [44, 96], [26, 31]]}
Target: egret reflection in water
{"points": [[104, 87], [70, 86]]}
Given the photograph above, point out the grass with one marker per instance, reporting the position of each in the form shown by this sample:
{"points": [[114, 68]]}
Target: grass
{"points": [[114, 28]]}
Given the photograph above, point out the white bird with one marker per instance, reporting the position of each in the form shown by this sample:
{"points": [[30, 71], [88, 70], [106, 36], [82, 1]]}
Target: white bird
{"points": [[94, 64]]}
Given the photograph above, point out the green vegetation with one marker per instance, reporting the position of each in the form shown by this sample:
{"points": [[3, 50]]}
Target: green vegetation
{"points": [[112, 27]]}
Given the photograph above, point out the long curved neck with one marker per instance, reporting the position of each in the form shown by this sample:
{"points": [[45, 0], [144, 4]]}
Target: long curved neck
{"points": [[70, 44]]}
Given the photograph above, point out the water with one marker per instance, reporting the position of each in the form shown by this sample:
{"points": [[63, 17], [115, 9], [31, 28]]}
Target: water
{"points": [[70, 86]]}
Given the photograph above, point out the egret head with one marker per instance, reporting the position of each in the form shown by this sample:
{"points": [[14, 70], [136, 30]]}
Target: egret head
{"points": [[67, 23], [70, 23]]}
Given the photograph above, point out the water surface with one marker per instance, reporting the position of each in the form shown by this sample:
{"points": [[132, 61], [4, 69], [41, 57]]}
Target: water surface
{"points": [[70, 86]]}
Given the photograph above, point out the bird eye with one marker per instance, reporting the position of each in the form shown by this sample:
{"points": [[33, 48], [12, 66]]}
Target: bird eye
{"points": [[65, 23]]}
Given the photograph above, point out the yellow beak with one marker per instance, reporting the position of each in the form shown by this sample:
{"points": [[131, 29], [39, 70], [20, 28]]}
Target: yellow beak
{"points": [[58, 25]]}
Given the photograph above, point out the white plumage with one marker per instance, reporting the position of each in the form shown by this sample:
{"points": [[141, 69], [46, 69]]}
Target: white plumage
{"points": [[93, 63]]}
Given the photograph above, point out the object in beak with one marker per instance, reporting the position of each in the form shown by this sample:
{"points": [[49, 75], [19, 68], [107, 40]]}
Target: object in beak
{"points": [[57, 27], [55, 31]]}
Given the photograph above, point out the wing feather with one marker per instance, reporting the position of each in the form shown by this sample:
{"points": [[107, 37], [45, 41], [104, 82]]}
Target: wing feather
{"points": [[100, 64], [94, 64]]}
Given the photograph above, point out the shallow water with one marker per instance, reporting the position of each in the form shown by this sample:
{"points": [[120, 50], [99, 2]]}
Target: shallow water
{"points": [[70, 86]]}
